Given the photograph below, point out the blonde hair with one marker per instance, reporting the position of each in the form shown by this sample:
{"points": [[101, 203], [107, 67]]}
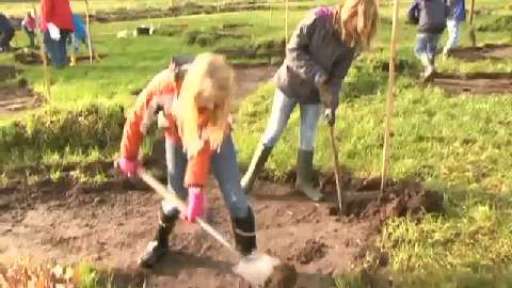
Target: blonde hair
{"points": [[358, 22], [209, 83]]}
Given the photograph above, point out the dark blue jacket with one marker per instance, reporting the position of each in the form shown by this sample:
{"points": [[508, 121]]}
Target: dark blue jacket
{"points": [[5, 24], [430, 15], [457, 10]]}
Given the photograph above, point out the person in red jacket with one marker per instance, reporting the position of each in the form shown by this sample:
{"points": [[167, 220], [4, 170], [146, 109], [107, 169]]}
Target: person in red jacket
{"points": [[56, 24], [196, 106]]}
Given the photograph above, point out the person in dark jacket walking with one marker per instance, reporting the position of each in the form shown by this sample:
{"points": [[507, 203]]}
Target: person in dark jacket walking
{"points": [[456, 16], [56, 24], [318, 57], [6, 33], [430, 15]]}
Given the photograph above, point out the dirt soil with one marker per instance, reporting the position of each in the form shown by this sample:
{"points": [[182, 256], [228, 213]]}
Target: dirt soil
{"points": [[33, 57], [487, 51], [111, 224], [188, 8], [17, 97], [475, 83]]}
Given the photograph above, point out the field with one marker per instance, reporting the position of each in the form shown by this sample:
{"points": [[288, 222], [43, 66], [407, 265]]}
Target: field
{"points": [[61, 201]]}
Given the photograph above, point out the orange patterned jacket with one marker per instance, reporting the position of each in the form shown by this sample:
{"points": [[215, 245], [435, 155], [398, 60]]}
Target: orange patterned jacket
{"points": [[162, 92]]}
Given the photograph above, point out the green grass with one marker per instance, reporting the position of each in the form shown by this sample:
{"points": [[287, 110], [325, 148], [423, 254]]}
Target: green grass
{"points": [[458, 145]]}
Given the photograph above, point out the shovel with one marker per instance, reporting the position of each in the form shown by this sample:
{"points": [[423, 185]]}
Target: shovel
{"points": [[341, 196], [255, 268]]}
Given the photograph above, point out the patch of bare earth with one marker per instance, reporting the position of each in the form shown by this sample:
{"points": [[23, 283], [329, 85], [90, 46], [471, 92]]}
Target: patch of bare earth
{"points": [[16, 96], [487, 51], [475, 83], [110, 225]]}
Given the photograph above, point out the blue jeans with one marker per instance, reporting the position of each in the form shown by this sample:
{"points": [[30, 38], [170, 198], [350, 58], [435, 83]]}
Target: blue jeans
{"points": [[282, 108], [453, 27], [225, 169], [426, 47], [57, 49]]}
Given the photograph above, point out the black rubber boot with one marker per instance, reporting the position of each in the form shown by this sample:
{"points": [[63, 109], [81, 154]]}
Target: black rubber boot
{"points": [[245, 233], [258, 161], [160, 244], [304, 181]]}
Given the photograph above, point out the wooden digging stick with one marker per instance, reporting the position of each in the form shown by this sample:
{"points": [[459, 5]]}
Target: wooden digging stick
{"points": [[88, 27], [286, 21], [341, 196], [472, 35], [46, 70], [390, 98]]}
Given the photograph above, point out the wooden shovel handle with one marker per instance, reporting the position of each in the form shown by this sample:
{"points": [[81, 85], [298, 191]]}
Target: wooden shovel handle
{"points": [[171, 196]]}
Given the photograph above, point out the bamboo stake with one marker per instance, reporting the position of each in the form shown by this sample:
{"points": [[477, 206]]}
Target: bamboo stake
{"points": [[286, 21], [88, 28], [472, 35], [390, 97], [46, 70], [269, 12]]}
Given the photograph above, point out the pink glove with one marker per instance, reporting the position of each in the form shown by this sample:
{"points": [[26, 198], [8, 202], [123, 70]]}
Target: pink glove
{"points": [[128, 167], [196, 203]]}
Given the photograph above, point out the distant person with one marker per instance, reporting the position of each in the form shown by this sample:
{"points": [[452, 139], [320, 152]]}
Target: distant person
{"points": [[56, 24], [29, 26], [430, 16], [456, 16], [6, 33], [318, 58], [78, 37]]}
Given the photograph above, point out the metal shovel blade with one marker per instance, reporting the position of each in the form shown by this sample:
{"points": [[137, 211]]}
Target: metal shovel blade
{"points": [[256, 268]]}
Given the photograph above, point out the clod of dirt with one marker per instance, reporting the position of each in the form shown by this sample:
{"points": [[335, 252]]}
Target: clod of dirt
{"points": [[475, 83], [313, 250], [283, 276], [487, 51]]}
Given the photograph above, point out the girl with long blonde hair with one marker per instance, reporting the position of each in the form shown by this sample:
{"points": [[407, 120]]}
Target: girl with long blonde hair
{"points": [[195, 98], [318, 57]]}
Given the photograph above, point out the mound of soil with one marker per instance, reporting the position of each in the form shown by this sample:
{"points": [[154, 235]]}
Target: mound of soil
{"points": [[487, 51], [17, 97], [475, 83], [400, 198]]}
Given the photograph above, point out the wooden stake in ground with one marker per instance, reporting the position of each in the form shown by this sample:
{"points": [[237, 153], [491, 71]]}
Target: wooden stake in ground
{"points": [[472, 35], [286, 20], [390, 97], [269, 12], [46, 71], [88, 27]]}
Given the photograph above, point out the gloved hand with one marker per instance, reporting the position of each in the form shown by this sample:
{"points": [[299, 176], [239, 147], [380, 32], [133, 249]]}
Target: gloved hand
{"points": [[54, 31], [329, 102], [330, 116], [196, 203], [128, 167]]}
